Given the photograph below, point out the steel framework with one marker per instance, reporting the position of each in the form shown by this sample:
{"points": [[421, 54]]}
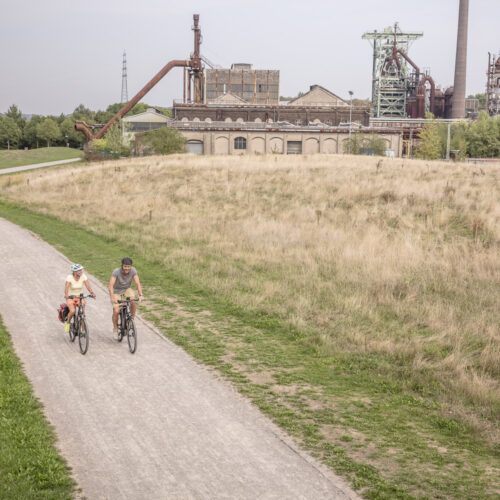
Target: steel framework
{"points": [[493, 85], [124, 97], [392, 78]]}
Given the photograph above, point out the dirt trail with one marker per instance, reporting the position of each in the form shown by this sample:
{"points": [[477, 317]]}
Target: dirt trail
{"points": [[150, 425]]}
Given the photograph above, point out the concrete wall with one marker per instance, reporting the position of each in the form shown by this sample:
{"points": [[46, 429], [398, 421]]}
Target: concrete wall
{"points": [[220, 142]]}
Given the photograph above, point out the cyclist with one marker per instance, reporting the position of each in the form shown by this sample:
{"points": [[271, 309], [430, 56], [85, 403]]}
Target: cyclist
{"points": [[120, 288], [74, 286]]}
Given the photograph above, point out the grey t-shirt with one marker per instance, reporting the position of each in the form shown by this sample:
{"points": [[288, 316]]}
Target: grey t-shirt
{"points": [[123, 281]]}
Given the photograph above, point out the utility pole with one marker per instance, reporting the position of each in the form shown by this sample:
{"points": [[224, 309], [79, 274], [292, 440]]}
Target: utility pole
{"points": [[448, 141], [350, 120], [124, 97]]}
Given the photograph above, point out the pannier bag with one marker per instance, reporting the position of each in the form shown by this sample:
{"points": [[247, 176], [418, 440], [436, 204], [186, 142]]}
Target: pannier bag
{"points": [[62, 313]]}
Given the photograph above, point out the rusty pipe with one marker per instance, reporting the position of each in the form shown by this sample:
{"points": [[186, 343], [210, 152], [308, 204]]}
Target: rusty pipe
{"points": [[123, 111], [85, 129], [415, 67], [421, 96]]}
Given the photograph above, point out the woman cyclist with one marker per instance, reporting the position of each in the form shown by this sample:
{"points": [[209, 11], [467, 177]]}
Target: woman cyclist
{"points": [[74, 286]]}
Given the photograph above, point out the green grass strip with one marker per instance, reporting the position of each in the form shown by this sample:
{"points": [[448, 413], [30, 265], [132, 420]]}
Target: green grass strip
{"points": [[30, 466], [20, 157]]}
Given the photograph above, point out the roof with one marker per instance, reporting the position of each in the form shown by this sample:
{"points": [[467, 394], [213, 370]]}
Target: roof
{"points": [[151, 115], [228, 98], [318, 96]]}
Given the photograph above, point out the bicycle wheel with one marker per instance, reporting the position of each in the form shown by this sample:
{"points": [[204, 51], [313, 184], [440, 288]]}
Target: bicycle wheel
{"points": [[131, 336], [83, 336], [72, 330]]}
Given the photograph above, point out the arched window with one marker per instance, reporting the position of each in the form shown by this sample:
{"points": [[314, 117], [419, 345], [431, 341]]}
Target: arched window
{"points": [[240, 143]]}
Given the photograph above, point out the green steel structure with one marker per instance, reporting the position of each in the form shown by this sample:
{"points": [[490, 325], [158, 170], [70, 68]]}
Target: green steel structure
{"points": [[393, 77]]}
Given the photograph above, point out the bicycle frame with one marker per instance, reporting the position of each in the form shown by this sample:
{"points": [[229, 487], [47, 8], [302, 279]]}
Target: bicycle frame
{"points": [[126, 326], [78, 326]]}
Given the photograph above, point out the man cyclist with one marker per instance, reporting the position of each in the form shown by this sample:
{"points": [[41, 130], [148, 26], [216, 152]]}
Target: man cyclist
{"points": [[120, 288], [74, 286]]}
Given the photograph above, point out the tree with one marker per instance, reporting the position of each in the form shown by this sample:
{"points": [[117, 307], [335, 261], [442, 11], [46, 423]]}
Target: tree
{"points": [[48, 130], [164, 141], [114, 139], [69, 133], [354, 144], [458, 142], [360, 144], [10, 133], [483, 137], [430, 142], [15, 113], [30, 137], [376, 145], [83, 113]]}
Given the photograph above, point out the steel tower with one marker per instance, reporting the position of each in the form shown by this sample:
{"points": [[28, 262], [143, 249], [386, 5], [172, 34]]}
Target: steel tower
{"points": [[392, 78], [124, 97]]}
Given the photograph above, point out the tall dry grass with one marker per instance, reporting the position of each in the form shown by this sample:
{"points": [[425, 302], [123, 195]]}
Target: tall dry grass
{"points": [[387, 256]]}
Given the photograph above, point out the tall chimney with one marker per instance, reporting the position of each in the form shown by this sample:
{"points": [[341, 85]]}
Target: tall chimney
{"points": [[458, 102]]}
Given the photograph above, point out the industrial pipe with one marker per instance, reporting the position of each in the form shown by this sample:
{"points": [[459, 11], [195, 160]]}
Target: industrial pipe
{"points": [[421, 96], [172, 64], [196, 68]]}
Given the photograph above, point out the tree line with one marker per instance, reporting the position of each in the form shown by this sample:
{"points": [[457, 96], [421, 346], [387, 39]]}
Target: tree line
{"points": [[475, 139], [17, 132]]}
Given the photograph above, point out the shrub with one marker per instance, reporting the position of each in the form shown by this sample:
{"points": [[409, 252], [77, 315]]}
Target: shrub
{"points": [[163, 141]]}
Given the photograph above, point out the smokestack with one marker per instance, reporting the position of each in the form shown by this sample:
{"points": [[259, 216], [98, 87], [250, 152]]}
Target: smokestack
{"points": [[458, 103]]}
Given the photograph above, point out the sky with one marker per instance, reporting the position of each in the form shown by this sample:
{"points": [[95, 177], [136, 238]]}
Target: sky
{"points": [[57, 54]]}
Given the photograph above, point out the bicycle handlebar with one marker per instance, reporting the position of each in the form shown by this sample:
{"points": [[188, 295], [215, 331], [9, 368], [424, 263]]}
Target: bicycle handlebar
{"points": [[127, 300], [81, 296]]}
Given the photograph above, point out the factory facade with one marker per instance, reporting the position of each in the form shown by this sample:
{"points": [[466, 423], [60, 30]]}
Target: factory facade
{"points": [[241, 113], [241, 137]]}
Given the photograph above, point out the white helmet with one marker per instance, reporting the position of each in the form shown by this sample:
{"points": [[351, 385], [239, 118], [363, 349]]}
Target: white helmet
{"points": [[76, 267]]}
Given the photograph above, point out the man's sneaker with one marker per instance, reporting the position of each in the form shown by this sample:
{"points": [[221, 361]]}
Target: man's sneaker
{"points": [[66, 327], [115, 333]]}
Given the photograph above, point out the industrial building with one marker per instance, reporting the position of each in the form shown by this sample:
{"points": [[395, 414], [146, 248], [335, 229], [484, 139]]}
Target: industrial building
{"points": [[253, 86], [238, 109], [318, 105]]}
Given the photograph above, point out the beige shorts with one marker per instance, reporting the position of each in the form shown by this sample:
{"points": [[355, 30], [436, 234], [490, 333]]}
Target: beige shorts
{"points": [[127, 294]]}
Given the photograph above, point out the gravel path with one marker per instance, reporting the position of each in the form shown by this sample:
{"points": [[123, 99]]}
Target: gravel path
{"points": [[13, 170], [153, 425]]}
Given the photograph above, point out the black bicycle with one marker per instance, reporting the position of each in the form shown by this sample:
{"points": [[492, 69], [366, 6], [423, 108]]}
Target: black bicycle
{"points": [[78, 326], [126, 326]]}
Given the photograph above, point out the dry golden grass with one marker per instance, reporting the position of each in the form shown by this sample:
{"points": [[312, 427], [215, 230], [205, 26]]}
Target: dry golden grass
{"points": [[385, 256]]}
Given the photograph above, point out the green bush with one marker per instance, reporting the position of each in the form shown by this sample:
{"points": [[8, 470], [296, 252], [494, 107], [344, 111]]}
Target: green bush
{"points": [[111, 146], [163, 141]]}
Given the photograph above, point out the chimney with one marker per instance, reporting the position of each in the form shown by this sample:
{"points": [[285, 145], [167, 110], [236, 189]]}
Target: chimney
{"points": [[458, 103]]}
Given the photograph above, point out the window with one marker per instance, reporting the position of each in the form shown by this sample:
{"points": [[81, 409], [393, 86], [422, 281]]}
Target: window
{"points": [[240, 143]]}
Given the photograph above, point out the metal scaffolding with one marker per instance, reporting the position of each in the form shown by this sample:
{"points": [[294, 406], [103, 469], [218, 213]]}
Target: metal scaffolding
{"points": [[393, 79], [493, 85], [124, 97]]}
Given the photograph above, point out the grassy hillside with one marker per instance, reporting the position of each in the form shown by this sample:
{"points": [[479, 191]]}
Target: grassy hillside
{"points": [[18, 157], [355, 300]]}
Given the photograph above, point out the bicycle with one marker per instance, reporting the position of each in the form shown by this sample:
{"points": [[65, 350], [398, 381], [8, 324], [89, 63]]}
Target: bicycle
{"points": [[78, 326], [126, 325]]}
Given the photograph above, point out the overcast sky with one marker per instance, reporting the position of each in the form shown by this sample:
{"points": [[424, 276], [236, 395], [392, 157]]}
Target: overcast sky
{"points": [[56, 54]]}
